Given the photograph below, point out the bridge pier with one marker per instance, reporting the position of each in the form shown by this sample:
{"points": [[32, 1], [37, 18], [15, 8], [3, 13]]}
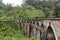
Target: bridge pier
{"points": [[25, 26], [21, 25], [29, 30], [35, 31], [38, 34]]}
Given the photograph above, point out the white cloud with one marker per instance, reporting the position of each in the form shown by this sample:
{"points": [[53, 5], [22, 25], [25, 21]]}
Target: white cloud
{"points": [[13, 2]]}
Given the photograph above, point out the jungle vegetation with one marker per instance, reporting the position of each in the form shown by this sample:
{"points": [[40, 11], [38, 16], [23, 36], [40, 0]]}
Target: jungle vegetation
{"points": [[10, 16]]}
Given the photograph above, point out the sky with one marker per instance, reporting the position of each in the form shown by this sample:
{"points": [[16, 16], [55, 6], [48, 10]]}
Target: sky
{"points": [[13, 2]]}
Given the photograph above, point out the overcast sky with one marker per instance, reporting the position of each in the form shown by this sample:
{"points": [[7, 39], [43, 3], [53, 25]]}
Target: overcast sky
{"points": [[13, 2]]}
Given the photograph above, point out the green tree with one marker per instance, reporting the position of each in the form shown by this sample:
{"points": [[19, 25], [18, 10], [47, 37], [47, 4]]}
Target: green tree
{"points": [[57, 9]]}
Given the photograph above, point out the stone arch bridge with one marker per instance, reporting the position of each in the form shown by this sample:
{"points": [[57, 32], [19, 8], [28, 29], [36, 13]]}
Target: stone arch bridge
{"points": [[43, 28]]}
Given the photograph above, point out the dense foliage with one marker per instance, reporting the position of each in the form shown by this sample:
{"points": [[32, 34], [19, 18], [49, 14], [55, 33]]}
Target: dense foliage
{"points": [[50, 8], [10, 16], [9, 23], [10, 30]]}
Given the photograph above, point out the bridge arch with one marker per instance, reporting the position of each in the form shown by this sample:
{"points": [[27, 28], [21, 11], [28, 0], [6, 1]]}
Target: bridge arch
{"points": [[50, 33]]}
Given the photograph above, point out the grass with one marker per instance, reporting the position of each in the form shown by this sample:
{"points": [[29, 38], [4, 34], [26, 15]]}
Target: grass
{"points": [[17, 36]]}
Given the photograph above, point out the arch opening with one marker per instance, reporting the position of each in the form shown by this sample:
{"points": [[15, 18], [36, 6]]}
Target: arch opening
{"points": [[50, 34], [37, 23], [42, 25]]}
